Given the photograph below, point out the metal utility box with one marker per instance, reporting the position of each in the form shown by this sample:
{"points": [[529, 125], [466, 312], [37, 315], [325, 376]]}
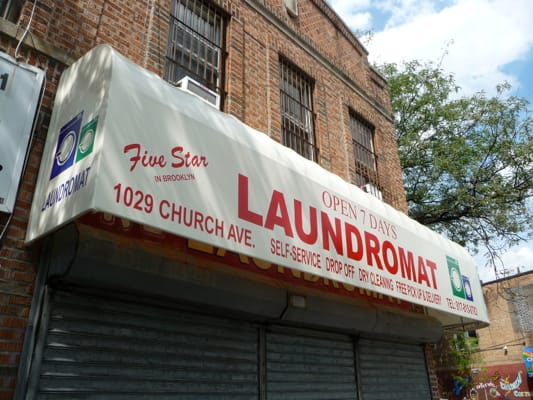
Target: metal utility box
{"points": [[20, 92]]}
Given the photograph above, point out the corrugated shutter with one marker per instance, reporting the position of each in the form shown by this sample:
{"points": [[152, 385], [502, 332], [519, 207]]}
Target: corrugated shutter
{"points": [[97, 348], [392, 371], [300, 367]]}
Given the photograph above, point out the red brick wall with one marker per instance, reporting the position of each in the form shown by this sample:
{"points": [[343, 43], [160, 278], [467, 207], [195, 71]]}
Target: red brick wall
{"points": [[505, 299], [261, 43], [18, 264], [139, 30], [432, 372]]}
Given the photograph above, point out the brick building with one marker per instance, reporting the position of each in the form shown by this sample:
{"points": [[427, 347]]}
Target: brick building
{"points": [[501, 345], [497, 368], [146, 274]]}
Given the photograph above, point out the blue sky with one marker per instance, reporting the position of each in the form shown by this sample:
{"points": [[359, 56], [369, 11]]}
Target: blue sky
{"points": [[487, 42]]}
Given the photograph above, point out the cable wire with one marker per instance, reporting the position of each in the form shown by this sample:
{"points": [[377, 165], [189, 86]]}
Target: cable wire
{"points": [[26, 30]]}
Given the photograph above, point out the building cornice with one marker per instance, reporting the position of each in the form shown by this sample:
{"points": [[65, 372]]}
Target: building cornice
{"points": [[340, 24], [317, 55]]}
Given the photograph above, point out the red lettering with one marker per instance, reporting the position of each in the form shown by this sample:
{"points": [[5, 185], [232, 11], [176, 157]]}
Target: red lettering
{"points": [[372, 249], [277, 203], [357, 253], [311, 237], [239, 235], [336, 203], [432, 266], [391, 265], [394, 234], [422, 274], [407, 265], [242, 203], [188, 160], [337, 235], [145, 159], [175, 153], [329, 233]]}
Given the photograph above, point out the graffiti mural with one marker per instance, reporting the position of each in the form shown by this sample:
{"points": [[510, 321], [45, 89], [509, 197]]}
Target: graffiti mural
{"points": [[502, 382], [508, 382]]}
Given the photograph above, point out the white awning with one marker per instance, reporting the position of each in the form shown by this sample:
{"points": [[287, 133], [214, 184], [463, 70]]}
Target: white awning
{"points": [[125, 142]]}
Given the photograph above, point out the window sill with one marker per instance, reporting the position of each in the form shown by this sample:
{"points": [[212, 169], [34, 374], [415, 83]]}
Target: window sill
{"points": [[11, 30]]}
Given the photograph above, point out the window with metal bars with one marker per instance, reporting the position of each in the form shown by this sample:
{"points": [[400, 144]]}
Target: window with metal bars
{"points": [[10, 9], [195, 43], [363, 150], [297, 117]]}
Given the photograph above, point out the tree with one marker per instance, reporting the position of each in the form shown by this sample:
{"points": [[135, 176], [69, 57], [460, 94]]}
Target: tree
{"points": [[467, 161], [456, 354]]}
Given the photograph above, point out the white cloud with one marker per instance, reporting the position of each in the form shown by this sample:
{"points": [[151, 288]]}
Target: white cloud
{"points": [[404, 11], [348, 11], [517, 259], [360, 21], [480, 36]]}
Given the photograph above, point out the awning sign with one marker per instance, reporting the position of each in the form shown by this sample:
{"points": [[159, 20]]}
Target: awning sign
{"points": [[527, 354], [124, 142]]}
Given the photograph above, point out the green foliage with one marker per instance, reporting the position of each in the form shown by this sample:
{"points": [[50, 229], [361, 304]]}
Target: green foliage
{"points": [[461, 350], [457, 353], [467, 161]]}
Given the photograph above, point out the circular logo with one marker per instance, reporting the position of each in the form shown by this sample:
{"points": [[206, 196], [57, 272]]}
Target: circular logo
{"points": [[468, 289], [86, 141], [66, 148], [456, 280]]}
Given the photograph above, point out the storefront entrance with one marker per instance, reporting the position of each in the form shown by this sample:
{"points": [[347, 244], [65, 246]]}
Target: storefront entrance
{"points": [[97, 345]]}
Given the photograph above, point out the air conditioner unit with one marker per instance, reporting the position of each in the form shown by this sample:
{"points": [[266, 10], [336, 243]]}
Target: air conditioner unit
{"points": [[292, 7], [190, 85], [373, 190]]}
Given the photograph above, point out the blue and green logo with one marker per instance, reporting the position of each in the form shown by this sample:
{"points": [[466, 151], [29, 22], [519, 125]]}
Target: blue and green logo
{"points": [[460, 283], [73, 143]]}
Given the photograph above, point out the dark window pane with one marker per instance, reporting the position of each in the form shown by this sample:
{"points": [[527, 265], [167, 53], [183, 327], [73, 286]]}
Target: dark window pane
{"points": [[10, 9], [363, 150], [297, 124], [195, 43]]}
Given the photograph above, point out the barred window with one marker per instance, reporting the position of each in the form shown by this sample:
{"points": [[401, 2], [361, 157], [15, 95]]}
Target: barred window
{"points": [[10, 9], [195, 43], [363, 150], [296, 102]]}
